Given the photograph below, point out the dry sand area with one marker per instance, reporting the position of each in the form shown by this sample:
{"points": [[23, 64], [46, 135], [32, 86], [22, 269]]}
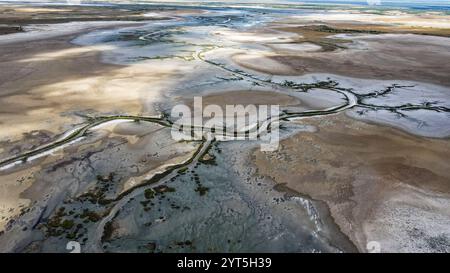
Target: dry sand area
{"points": [[42, 79], [19, 15], [47, 85], [245, 98], [393, 46], [380, 184], [376, 56]]}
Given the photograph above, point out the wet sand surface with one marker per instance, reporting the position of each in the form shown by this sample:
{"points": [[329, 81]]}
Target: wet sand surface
{"points": [[383, 56], [34, 102], [22, 15], [357, 169], [375, 169]]}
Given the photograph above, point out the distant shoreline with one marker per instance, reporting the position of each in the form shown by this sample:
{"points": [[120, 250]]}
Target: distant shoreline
{"points": [[424, 6]]}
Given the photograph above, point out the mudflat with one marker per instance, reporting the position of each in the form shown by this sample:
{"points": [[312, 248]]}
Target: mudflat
{"points": [[366, 175], [88, 146]]}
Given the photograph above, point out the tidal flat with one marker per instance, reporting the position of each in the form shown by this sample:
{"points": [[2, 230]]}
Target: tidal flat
{"points": [[87, 154]]}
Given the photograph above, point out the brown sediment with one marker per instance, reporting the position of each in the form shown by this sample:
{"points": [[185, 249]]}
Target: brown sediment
{"points": [[22, 78], [22, 69], [43, 79], [444, 32], [10, 29], [322, 30], [321, 33], [329, 230], [318, 34], [21, 15], [14, 17], [356, 168], [416, 58], [247, 98]]}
